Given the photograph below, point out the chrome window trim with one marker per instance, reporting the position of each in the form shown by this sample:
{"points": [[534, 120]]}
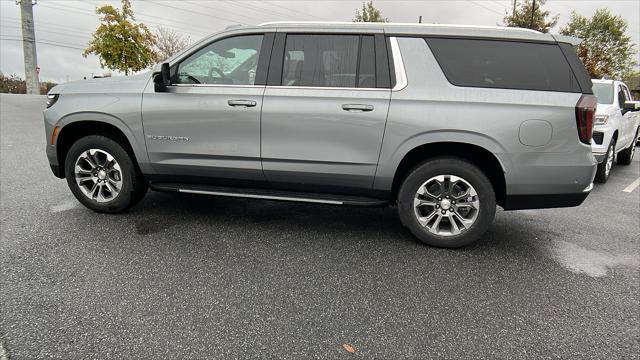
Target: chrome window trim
{"points": [[398, 65], [217, 85], [323, 88]]}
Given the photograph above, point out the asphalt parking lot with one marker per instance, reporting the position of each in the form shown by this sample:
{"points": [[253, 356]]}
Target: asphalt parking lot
{"points": [[196, 277]]}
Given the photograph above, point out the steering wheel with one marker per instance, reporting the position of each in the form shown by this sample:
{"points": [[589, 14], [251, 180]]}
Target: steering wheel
{"points": [[195, 81], [220, 73]]}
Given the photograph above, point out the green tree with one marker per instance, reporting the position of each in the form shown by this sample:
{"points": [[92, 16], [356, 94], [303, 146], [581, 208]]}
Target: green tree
{"points": [[120, 42], [605, 49], [522, 17], [369, 14]]}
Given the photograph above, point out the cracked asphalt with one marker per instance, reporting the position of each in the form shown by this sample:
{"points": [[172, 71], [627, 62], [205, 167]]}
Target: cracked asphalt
{"points": [[194, 277]]}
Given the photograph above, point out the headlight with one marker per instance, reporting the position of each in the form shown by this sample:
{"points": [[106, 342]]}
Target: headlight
{"points": [[51, 99], [601, 119]]}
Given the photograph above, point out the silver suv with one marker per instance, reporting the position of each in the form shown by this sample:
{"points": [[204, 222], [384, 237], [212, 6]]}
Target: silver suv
{"points": [[445, 122]]}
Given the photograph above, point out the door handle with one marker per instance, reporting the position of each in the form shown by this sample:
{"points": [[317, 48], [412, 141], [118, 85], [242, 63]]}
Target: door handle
{"points": [[245, 103], [357, 107]]}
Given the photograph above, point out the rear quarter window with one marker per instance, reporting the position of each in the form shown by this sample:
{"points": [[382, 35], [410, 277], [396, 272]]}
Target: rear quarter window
{"points": [[504, 64]]}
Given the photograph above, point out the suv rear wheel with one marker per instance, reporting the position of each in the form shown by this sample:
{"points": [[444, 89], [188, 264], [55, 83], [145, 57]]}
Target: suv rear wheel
{"points": [[102, 175], [447, 202]]}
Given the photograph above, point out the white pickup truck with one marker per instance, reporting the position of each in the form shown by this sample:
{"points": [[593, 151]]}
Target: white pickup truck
{"points": [[615, 126]]}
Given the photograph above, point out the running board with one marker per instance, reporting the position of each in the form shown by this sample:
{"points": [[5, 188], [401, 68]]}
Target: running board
{"points": [[268, 194]]}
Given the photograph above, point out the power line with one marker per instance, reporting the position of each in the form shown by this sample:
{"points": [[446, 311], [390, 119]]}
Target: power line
{"points": [[291, 10], [211, 8], [48, 31], [194, 12], [45, 24], [88, 12], [487, 8], [43, 42], [254, 8]]}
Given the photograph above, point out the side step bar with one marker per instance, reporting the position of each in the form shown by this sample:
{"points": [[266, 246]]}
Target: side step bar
{"points": [[268, 194]]}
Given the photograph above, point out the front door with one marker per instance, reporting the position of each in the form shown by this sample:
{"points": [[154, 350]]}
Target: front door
{"points": [[207, 122], [324, 119]]}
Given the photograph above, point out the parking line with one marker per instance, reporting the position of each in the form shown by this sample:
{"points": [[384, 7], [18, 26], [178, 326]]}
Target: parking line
{"points": [[632, 186]]}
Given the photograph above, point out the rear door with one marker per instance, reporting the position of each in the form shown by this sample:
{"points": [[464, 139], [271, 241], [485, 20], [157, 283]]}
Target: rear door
{"points": [[325, 108]]}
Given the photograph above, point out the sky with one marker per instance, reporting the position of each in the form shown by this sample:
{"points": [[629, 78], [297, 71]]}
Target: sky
{"points": [[63, 28]]}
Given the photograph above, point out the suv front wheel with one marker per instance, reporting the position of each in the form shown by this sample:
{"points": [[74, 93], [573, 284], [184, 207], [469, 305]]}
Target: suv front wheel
{"points": [[102, 175], [447, 202], [604, 168]]}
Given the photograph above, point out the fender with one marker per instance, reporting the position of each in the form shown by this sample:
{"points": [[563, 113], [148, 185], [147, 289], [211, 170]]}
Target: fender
{"points": [[134, 135], [390, 158]]}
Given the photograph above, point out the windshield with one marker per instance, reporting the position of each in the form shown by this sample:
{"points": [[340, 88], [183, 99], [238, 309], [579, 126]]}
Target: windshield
{"points": [[604, 92]]}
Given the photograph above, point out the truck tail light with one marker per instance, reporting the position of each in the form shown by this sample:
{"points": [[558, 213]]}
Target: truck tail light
{"points": [[585, 110]]}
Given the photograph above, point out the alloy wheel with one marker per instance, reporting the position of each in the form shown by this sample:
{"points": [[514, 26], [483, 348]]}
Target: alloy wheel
{"points": [[98, 175], [446, 205]]}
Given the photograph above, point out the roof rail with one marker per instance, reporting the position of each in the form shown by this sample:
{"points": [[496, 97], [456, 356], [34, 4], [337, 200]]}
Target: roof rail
{"points": [[349, 23]]}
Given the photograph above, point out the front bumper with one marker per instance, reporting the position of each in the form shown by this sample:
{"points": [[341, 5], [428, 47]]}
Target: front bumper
{"points": [[600, 150]]}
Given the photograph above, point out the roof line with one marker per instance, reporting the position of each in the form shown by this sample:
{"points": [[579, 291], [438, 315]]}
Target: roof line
{"points": [[348, 23]]}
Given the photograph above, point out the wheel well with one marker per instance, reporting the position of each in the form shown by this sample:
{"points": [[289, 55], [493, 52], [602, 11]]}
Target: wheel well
{"points": [[484, 159], [615, 135], [72, 132]]}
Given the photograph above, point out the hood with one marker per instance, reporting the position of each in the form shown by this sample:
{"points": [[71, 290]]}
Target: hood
{"points": [[119, 84]]}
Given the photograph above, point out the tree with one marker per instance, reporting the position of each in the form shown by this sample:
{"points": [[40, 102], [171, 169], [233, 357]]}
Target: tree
{"points": [[522, 17], [120, 42], [605, 49], [169, 43], [369, 14]]}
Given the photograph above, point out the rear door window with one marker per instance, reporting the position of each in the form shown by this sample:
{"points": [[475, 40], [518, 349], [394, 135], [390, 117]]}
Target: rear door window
{"points": [[329, 61], [504, 64]]}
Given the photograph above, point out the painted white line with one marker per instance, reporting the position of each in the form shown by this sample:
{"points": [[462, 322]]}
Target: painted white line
{"points": [[632, 186]]}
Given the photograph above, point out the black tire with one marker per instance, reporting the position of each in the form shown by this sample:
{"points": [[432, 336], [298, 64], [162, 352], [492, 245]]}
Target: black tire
{"points": [[134, 186], [625, 157], [447, 166], [601, 173]]}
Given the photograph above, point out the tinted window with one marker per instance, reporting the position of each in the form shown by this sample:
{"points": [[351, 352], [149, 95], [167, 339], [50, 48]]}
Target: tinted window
{"points": [[581, 73], [622, 97], [627, 94], [320, 60], [504, 64], [228, 61], [367, 68], [604, 93]]}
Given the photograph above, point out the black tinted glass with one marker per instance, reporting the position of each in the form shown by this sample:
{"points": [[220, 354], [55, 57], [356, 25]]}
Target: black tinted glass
{"points": [[320, 60], [367, 69], [504, 64]]}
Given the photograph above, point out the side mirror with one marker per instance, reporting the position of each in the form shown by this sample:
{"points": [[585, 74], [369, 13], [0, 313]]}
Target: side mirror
{"points": [[631, 106], [162, 79], [166, 74]]}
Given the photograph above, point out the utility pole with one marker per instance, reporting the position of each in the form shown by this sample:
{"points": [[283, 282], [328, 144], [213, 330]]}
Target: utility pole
{"points": [[533, 12], [513, 14], [29, 47], [420, 20]]}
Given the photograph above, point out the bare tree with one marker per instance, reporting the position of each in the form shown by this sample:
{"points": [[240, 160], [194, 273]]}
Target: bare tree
{"points": [[168, 43]]}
